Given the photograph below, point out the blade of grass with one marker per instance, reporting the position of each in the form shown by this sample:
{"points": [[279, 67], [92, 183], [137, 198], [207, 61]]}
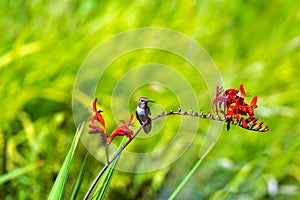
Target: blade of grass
{"points": [[188, 176], [60, 182], [180, 186], [79, 178]]}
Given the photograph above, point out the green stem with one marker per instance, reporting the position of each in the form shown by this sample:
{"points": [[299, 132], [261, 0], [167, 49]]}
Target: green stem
{"points": [[185, 180], [174, 194]]}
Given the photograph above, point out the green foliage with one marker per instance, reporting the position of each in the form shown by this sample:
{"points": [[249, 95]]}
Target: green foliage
{"points": [[80, 177], [57, 191], [44, 43]]}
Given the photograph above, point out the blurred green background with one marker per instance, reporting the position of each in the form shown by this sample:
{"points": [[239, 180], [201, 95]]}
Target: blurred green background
{"points": [[43, 44]]}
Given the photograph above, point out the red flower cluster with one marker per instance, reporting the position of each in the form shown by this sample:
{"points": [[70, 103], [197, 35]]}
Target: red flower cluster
{"points": [[233, 106], [121, 130]]}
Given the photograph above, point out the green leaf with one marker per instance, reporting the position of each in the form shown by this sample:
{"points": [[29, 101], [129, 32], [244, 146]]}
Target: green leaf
{"points": [[185, 180], [79, 178], [60, 182], [193, 170]]}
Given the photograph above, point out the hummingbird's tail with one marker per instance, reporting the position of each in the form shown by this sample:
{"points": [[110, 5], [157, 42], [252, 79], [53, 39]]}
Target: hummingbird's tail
{"points": [[147, 127]]}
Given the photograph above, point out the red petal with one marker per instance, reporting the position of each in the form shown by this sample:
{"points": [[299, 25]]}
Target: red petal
{"points": [[100, 119], [95, 129], [229, 113], [128, 136], [118, 133], [123, 121], [97, 115], [92, 119], [254, 101], [131, 119], [95, 104], [126, 130], [242, 90], [238, 117], [244, 124]]}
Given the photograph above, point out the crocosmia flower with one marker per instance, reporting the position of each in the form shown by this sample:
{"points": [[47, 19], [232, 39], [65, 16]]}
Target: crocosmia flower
{"points": [[121, 130], [231, 104]]}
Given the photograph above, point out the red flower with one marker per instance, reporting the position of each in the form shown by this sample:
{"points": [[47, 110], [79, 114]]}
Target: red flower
{"points": [[121, 130], [233, 106], [97, 115]]}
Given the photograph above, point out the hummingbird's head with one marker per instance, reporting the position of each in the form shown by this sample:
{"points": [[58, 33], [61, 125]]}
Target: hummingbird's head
{"points": [[143, 102]]}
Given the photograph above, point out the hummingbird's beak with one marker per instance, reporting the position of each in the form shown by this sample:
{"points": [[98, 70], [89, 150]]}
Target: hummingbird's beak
{"points": [[151, 101]]}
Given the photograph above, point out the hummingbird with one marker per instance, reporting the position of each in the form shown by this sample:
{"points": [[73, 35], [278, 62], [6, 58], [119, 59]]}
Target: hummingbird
{"points": [[143, 113]]}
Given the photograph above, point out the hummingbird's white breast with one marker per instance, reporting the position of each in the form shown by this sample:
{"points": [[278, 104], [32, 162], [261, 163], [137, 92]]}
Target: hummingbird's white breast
{"points": [[142, 113]]}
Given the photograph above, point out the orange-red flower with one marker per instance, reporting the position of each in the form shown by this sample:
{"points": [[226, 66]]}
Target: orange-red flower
{"points": [[233, 106], [98, 117], [121, 130]]}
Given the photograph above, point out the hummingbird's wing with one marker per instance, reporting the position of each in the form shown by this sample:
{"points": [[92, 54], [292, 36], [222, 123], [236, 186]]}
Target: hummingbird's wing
{"points": [[137, 116], [148, 127]]}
